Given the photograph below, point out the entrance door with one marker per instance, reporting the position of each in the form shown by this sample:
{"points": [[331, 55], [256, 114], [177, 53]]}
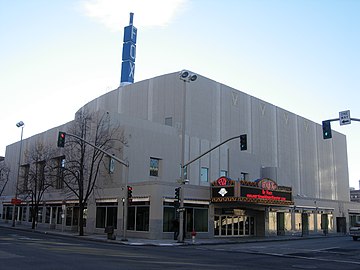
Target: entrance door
{"points": [[280, 218], [234, 225]]}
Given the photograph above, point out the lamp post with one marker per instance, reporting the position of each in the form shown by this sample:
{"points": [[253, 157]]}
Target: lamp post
{"points": [[19, 124], [186, 76]]}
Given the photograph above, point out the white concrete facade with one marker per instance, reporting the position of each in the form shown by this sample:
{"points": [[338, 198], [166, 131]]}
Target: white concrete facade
{"points": [[281, 145]]}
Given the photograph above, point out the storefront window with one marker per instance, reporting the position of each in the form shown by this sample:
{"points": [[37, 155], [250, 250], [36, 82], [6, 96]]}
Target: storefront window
{"points": [[201, 220], [106, 215], [100, 217], [40, 215], [24, 213], [311, 222], [31, 210], [69, 212], [168, 219], [331, 222], [272, 223], [47, 214], [59, 215], [53, 214], [7, 214], [138, 217], [142, 218], [318, 224], [195, 218], [298, 221], [288, 222]]}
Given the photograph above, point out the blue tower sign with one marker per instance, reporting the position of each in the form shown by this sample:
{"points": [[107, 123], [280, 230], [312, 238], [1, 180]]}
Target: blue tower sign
{"points": [[128, 53]]}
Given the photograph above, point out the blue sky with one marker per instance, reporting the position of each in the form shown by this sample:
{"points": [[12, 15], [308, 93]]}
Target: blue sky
{"points": [[301, 55]]}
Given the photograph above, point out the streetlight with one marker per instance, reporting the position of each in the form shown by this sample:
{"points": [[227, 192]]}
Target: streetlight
{"points": [[186, 76], [19, 124]]}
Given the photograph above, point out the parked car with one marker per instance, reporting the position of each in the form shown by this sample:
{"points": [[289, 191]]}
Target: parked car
{"points": [[355, 231]]}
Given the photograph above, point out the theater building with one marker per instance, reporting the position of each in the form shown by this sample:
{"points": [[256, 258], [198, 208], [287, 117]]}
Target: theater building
{"points": [[287, 180]]}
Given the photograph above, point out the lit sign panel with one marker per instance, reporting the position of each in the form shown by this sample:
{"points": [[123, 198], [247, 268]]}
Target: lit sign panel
{"points": [[264, 194], [223, 192], [263, 191], [223, 187], [129, 52]]}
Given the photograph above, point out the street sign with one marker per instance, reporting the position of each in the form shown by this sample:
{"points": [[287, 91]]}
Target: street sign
{"points": [[344, 118]]}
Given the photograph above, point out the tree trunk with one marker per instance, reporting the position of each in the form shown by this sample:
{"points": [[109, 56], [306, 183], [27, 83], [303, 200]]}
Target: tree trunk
{"points": [[81, 219], [34, 212]]}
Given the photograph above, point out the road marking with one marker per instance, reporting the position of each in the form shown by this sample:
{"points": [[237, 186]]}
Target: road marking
{"points": [[311, 258]]}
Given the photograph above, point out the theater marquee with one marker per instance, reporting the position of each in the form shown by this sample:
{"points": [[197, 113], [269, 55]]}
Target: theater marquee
{"points": [[262, 191]]}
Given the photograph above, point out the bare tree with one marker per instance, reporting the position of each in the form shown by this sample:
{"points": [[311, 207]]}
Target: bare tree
{"points": [[36, 177], [83, 162], [4, 176]]}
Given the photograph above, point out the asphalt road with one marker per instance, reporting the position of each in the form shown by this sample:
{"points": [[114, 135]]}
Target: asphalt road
{"points": [[29, 250]]}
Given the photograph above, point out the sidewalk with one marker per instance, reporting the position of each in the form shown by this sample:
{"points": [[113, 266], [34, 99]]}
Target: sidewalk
{"points": [[165, 242]]}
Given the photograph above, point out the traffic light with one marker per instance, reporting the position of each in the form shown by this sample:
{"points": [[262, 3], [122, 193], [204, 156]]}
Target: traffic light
{"points": [[243, 142], [61, 139], [326, 127], [129, 192], [177, 193]]}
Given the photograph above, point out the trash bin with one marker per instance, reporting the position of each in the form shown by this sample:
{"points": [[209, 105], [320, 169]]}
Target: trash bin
{"points": [[110, 232]]}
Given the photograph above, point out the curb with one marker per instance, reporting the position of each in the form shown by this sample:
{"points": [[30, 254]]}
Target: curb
{"points": [[146, 242]]}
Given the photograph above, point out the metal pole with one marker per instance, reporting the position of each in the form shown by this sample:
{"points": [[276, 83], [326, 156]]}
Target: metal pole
{"points": [[18, 174], [125, 204], [182, 176]]}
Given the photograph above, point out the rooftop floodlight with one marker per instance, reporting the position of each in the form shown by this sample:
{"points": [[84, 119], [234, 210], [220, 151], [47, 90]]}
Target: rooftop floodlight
{"points": [[193, 77], [20, 124], [184, 74]]}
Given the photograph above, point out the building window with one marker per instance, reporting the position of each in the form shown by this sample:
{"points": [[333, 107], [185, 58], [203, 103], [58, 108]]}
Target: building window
{"points": [[111, 165], [204, 174], [244, 176], [168, 121], [200, 220], [223, 173], [196, 218], [72, 216], [138, 217], [60, 165], [106, 215], [154, 166]]}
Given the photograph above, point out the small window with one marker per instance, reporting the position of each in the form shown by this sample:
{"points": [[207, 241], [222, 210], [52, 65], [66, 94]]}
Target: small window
{"points": [[59, 177], [154, 166], [204, 174], [223, 173], [168, 121], [25, 175], [244, 176]]}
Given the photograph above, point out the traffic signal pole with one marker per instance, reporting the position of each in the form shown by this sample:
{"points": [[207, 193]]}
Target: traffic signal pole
{"points": [[327, 127], [126, 178], [182, 181], [211, 149]]}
